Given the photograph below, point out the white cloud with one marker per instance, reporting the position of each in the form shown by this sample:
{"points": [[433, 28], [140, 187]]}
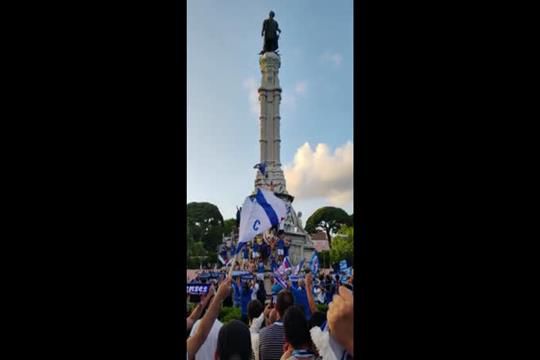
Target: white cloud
{"points": [[253, 96], [334, 58], [320, 173]]}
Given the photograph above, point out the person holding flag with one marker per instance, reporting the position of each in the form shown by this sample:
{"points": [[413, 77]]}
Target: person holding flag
{"points": [[256, 247], [280, 244], [258, 214]]}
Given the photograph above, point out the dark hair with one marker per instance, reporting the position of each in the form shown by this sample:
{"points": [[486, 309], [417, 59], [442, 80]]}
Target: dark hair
{"points": [[317, 319], [296, 327], [272, 14], [284, 300], [234, 340], [254, 309]]}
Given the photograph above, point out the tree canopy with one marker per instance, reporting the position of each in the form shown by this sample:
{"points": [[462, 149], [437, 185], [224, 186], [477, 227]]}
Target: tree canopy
{"points": [[328, 219], [204, 224], [228, 226], [343, 246]]}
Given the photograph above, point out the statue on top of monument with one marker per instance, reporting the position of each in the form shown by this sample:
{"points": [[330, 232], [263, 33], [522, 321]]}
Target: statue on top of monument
{"points": [[270, 29]]}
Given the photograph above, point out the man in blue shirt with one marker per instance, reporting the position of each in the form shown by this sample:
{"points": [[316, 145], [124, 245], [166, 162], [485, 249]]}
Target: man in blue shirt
{"points": [[286, 248], [237, 296], [300, 297], [273, 264], [245, 256], [245, 292], [256, 246]]}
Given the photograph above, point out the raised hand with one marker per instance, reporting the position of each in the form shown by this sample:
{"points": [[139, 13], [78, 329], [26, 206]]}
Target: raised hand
{"points": [[341, 318], [224, 289]]}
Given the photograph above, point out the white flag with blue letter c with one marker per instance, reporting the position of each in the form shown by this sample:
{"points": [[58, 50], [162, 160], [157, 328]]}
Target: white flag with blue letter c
{"points": [[260, 213]]}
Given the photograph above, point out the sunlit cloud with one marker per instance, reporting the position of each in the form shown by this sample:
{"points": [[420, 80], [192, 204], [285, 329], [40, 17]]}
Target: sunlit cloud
{"points": [[321, 173]]}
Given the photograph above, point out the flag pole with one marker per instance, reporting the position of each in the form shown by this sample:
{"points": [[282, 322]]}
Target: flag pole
{"points": [[232, 264]]}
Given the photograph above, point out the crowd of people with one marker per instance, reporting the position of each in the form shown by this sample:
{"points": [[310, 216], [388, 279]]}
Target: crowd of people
{"points": [[284, 329], [283, 324]]}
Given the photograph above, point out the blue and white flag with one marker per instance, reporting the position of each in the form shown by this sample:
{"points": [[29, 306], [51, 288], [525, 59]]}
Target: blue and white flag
{"points": [[285, 265], [261, 167], [314, 263], [260, 213], [298, 267], [279, 280]]}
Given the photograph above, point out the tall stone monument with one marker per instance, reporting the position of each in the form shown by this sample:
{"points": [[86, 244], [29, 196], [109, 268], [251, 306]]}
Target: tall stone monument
{"points": [[270, 143]]}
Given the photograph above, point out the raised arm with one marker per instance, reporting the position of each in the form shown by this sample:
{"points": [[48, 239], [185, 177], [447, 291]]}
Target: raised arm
{"points": [[195, 342], [309, 292], [197, 312]]}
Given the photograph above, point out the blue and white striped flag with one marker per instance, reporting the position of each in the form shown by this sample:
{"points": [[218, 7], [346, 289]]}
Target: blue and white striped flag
{"points": [[298, 267], [260, 213], [285, 265], [279, 280], [314, 263]]}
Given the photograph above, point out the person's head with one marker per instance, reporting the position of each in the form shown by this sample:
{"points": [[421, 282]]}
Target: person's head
{"points": [[296, 327], [272, 14], [254, 309], [284, 301], [317, 319], [234, 342]]}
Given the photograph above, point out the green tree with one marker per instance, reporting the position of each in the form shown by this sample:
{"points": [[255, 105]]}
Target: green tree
{"points": [[197, 254], [204, 224], [324, 259], [328, 219], [228, 226], [343, 247]]}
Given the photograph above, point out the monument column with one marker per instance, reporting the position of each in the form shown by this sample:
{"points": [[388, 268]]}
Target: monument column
{"points": [[270, 140]]}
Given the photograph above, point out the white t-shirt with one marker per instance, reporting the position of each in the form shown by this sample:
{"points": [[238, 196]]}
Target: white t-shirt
{"points": [[254, 329], [254, 292], [208, 348]]}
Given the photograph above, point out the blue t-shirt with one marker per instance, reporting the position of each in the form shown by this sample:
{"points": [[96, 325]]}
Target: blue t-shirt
{"points": [[246, 298], [274, 264], [237, 296], [245, 253], [300, 298], [280, 244], [286, 251], [256, 247], [276, 288], [261, 267]]}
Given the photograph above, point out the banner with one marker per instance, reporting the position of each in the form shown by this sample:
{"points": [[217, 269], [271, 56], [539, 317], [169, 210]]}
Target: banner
{"points": [[197, 289]]}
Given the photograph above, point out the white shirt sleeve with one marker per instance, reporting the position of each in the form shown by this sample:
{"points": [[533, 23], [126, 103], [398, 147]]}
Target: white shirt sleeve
{"points": [[256, 324]]}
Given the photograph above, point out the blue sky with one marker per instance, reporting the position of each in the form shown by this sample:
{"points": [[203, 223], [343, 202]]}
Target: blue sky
{"points": [[316, 75]]}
